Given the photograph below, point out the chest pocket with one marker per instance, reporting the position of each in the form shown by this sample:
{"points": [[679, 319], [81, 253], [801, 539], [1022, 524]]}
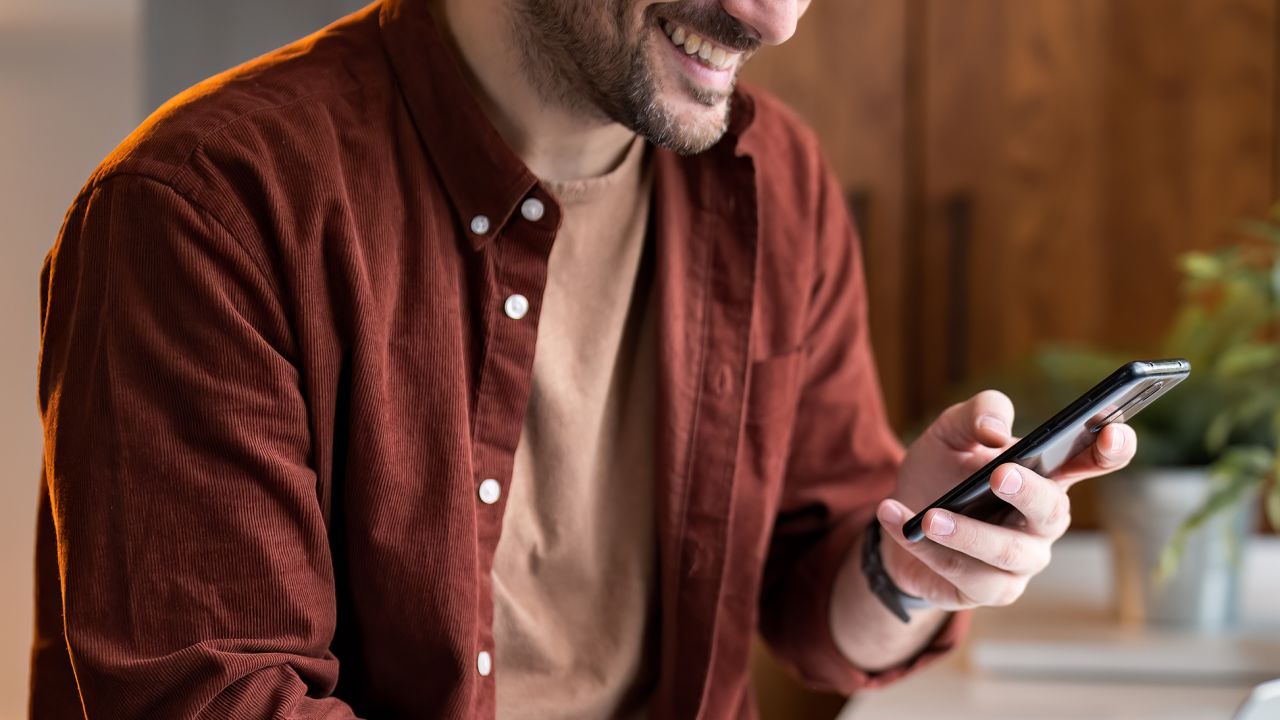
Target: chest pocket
{"points": [[772, 399]]}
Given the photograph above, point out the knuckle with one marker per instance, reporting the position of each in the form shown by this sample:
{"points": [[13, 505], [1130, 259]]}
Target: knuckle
{"points": [[951, 565], [965, 539], [1059, 511], [910, 582], [1011, 555]]}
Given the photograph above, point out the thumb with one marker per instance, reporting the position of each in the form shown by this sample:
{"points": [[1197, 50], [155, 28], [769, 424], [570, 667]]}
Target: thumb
{"points": [[985, 418]]}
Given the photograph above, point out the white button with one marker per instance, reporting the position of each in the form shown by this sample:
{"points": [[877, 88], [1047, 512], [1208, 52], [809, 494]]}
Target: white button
{"points": [[490, 491], [480, 224], [533, 209], [484, 663], [516, 306]]}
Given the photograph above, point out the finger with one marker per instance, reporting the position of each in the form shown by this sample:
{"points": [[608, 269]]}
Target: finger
{"points": [[985, 418], [1013, 551], [1043, 503], [945, 577], [1113, 449]]}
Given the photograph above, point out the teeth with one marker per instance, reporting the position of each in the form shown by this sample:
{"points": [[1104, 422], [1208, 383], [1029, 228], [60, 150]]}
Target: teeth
{"points": [[703, 50]]}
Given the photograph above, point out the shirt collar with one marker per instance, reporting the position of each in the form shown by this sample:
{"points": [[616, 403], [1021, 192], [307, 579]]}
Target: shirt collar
{"points": [[481, 174]]}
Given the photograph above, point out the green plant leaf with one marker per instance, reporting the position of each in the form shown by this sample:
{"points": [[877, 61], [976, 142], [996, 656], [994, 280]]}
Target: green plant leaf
{"points": [[1240, 470], [1204, 266], [1247, 359], [1252, 461], [1215, 439], [1171, 556], [1220, 500]]}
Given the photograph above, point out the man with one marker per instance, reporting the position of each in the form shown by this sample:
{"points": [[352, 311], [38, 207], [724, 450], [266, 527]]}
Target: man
{"points": [[303, 460]]}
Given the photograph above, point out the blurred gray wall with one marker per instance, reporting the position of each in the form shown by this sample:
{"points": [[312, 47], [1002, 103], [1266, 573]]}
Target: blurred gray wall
{"points": [[70, 89], [76, 76], [189, 40]]}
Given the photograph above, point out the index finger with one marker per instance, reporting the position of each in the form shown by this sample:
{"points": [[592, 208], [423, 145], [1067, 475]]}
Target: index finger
{"points": [[1112, 449]]}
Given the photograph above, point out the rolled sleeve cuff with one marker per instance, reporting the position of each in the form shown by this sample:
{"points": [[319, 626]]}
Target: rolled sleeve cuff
{"points": [[808, 645]]}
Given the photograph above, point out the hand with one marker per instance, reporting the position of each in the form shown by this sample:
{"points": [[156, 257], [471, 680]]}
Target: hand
{"points": [[963, 562]]}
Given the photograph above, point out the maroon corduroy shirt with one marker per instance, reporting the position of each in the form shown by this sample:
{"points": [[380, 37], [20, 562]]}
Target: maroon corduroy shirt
{"points": [[279, 355]]}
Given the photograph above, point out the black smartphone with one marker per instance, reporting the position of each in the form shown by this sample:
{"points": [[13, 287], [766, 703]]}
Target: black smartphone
{"points": [[1118, 398]]}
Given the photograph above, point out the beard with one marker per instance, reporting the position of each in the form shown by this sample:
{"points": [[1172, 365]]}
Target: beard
{"points": [[598, 58]]}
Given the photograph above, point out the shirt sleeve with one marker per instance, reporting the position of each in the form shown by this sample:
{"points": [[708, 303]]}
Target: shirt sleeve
{"points": [[195, 571], [843, 460]]}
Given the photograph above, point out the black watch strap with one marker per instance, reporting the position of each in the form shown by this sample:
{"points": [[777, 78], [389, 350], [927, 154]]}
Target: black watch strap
{"points": [[882, 586]]}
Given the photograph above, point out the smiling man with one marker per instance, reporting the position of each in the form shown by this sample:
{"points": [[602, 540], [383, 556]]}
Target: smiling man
{"points": [[480, 358]]}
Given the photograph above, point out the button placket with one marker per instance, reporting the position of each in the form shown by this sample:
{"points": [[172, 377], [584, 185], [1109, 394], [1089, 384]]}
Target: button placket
{"points": [[516, 259]]}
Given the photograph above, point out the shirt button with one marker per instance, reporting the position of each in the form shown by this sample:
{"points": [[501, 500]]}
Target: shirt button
{"points": [[516, 306], [484, 664], [533, 210], [490, 491], [480, 224]]}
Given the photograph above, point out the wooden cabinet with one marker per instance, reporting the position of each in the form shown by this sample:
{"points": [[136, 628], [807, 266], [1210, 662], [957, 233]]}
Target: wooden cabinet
{"points": [[1027, 171]]}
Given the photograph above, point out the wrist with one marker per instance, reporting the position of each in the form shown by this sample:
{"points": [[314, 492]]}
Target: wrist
{"points": [[867, 633], [876, 563]]}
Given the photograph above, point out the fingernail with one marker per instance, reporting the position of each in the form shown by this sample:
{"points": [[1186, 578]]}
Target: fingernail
{"points": [[991, 422], [889, 513], [1117, 441], [1011, 483], [941, 523]]}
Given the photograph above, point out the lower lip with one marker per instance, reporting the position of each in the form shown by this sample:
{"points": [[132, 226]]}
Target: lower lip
{"points": [[705, 76]]}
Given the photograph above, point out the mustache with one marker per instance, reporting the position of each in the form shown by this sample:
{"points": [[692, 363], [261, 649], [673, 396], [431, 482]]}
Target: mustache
{"points": [[709, 21]]}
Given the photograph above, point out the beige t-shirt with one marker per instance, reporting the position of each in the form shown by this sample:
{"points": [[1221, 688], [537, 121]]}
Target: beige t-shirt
{"points": [[575, 576]]}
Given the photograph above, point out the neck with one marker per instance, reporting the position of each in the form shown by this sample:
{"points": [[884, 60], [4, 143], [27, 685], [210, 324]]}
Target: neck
{"points": [[557, 142]]}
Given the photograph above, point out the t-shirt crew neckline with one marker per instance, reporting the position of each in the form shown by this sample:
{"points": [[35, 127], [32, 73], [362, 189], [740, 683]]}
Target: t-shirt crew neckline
{"points": [[587, 190]]}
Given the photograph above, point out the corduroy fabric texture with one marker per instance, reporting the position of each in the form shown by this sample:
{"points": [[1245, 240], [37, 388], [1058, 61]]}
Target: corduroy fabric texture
{"points": [[275, 367]]}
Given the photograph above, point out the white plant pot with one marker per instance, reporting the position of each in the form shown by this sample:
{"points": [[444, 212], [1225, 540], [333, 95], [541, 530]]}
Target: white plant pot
{"points": [[1142, 509]]}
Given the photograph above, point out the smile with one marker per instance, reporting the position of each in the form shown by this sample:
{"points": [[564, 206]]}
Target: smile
{"points": [[699, 48]]}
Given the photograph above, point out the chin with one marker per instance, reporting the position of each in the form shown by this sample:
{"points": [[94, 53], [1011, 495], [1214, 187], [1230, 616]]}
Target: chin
{"points": [[693, 122], [700, 127]]}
